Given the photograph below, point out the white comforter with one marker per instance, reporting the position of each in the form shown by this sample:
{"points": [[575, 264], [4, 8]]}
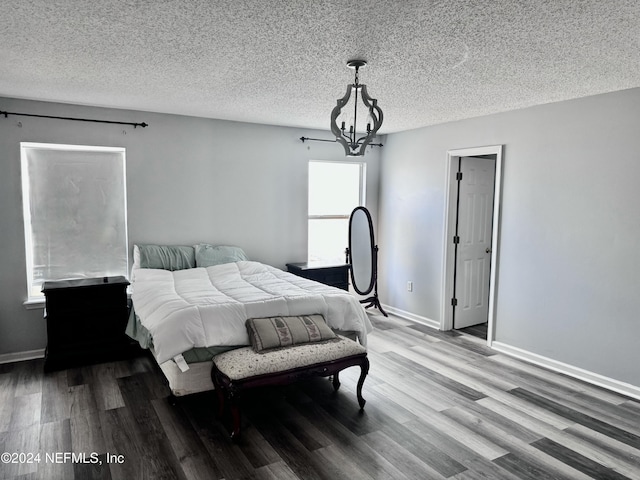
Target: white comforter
{"points": [[204, 307]]}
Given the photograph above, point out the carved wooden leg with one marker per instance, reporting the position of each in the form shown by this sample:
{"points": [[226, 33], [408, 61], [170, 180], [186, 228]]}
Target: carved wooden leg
{"points": [[220, 401], [235, 417], [336, 381], [220, 391], [364, 369]]}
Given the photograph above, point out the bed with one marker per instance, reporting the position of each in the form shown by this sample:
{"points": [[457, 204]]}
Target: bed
{"points": [[191, 303]]}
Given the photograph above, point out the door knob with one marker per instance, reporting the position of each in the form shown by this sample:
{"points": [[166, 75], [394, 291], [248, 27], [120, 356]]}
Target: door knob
{"points": [[488, 250]]}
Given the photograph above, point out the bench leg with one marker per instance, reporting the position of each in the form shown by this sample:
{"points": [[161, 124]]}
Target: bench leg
{"points": [[336, 381], [235, 415], [227, 398], [364, 369], [220, 401], [234, 410]]}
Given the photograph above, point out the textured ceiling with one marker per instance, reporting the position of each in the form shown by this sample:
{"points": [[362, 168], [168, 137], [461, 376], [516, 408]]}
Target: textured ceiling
{"points": [[284, 62]]}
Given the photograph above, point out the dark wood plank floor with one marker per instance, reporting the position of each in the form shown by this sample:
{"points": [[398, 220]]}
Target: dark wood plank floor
{"points": [[439, 405], [479, 331]]}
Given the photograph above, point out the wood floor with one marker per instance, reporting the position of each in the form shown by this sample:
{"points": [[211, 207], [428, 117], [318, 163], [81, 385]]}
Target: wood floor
{"points": [[479, 331], [439, 405]]}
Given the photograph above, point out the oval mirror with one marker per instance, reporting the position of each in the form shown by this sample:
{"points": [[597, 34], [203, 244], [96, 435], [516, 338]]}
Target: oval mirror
{"points": [[361, 248]]}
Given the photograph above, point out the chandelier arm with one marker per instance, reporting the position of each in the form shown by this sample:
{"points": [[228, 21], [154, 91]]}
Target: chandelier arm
{"points": [[376, 114], [372, 103], [345, 145], [335, 113], [353, 135]]}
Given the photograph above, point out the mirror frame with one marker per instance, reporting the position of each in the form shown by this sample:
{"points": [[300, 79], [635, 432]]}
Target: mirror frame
{"points": [[374, 273]]}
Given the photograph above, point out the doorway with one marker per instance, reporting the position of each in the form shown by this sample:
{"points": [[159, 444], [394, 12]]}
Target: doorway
{"points": [[471, 239]]}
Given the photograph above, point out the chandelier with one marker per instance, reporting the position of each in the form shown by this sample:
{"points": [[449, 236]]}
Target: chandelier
{"points": [[345, 123]]}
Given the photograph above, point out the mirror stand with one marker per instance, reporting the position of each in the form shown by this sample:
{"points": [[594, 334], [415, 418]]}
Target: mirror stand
{"points": [[373, 300]]}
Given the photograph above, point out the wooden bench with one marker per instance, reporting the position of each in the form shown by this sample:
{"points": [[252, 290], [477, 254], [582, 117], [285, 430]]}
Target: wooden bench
{"points": [[239, 370]]}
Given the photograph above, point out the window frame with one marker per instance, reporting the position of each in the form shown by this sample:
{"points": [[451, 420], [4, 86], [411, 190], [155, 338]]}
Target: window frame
{"points": [[36, 301]]}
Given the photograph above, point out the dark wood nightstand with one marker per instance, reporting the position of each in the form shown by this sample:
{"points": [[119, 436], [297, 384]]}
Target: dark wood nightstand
{"points": [[86, 320], [336, 275]]}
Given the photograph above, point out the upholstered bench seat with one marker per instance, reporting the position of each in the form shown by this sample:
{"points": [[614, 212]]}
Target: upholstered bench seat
{"points": [[237, 370]]}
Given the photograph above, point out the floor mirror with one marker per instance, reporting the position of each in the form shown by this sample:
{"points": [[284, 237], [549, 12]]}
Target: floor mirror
{"points": [[362, 257]]}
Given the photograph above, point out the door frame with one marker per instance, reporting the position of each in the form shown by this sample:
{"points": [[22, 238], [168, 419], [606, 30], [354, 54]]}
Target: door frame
{"points": [[446, 316]]}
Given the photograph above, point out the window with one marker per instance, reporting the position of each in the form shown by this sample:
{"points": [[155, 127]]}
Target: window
{"points": [[74, 201], [335, 189]]}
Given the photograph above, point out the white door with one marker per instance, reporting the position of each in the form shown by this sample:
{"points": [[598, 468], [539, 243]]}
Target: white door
{"points": [[473, 252]]}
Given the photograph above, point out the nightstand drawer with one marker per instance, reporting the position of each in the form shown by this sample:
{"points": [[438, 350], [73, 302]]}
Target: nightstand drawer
{"points": [[73, 326], [85, 293], [329, 274], [332, 277]]}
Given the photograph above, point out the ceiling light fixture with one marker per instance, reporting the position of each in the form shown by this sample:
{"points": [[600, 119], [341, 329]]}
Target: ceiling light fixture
{"points": [[345, 124]]}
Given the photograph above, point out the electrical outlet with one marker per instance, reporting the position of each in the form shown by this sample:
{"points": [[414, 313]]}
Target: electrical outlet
{"points": [[409, 286]]}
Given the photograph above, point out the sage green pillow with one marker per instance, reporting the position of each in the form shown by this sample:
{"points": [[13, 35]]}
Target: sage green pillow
{"points": [[167, 257], [277, 332], [210, 255]]}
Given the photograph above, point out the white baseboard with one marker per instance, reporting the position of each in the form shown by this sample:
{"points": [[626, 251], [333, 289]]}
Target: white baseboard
{"points": [[570, 370], [412, 316], [21, 356], [617, 386]]}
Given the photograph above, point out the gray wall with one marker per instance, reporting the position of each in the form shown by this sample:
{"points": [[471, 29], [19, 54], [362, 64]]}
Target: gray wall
{"points": [[568, 262], [189, 180]]}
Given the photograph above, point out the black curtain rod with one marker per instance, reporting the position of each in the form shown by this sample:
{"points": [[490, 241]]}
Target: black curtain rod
{"points": [[77, 119], [333, 141]]}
